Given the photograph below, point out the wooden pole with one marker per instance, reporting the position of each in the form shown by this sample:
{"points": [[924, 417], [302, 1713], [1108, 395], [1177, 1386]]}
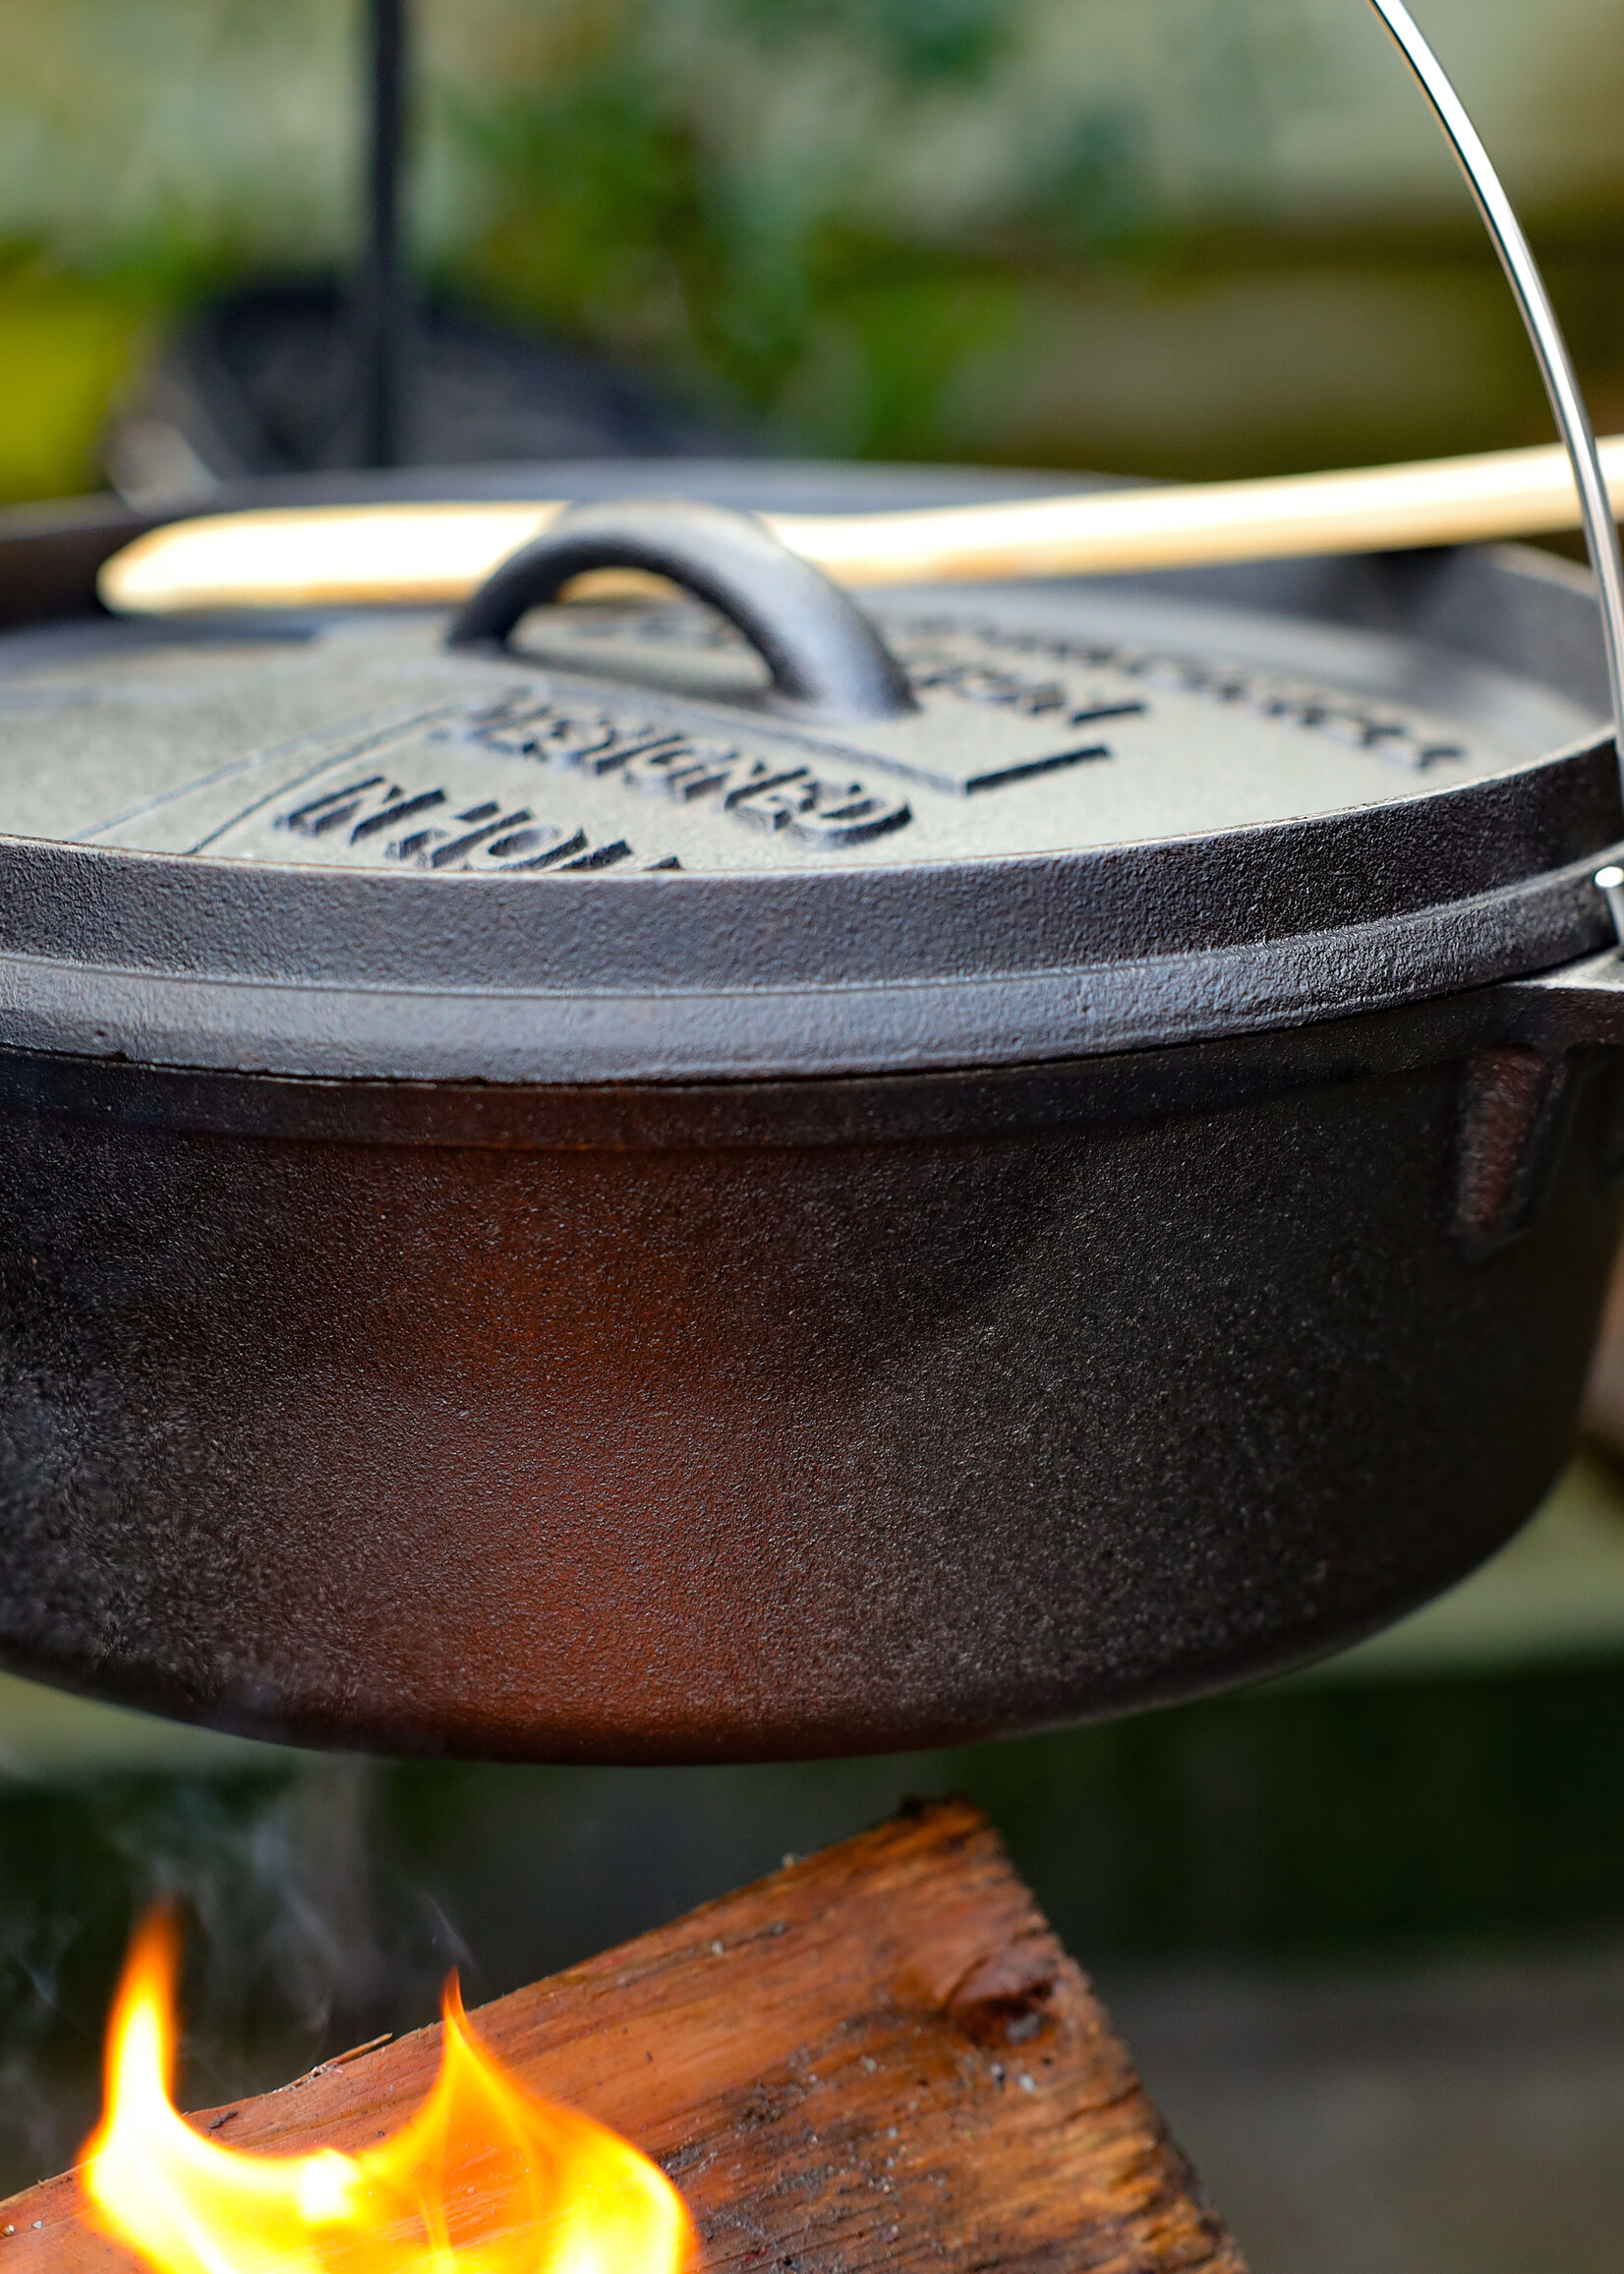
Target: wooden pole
{"points": [[437, 554]]}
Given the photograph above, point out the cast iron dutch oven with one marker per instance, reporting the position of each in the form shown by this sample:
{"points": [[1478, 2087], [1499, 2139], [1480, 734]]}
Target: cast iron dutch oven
{"points": [[740, 1178]]}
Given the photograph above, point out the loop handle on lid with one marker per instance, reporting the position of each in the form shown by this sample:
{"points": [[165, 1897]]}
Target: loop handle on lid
{"points": [[827, 660]]}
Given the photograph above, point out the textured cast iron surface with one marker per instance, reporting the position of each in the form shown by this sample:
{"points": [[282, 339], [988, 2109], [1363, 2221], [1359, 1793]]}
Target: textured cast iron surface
{"points": [[769, 1444], [1265, 796], [824, 655], [636, 1419]]}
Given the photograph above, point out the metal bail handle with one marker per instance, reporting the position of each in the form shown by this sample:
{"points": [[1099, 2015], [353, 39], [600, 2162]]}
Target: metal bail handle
{"points": [[826, 659], [1555, 364]]}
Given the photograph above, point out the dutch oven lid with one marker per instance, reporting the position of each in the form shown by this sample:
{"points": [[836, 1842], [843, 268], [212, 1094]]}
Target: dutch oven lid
{"points": [[766, 835]]}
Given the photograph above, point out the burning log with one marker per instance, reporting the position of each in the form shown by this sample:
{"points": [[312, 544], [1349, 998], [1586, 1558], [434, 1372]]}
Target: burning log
{"points": [[879, 2058]]}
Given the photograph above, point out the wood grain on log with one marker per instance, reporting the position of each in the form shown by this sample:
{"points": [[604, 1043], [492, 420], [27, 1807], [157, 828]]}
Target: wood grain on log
{"points": [[876, 2061]]}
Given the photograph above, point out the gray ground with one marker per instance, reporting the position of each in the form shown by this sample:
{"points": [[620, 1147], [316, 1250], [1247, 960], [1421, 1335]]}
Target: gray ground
{"points": [[1459, 2120]]}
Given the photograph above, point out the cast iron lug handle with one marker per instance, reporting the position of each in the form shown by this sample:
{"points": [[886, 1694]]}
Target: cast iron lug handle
{"points": [[827, 660], [1522, 1078], [1521, 1086], [1577, 1007]]}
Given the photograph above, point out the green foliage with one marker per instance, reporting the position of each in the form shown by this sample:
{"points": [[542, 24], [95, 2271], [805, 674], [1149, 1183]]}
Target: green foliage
{"points": [[66, 344], [1091, 192], [920, 42], [901, 226], [595, 190], [633, 207]]}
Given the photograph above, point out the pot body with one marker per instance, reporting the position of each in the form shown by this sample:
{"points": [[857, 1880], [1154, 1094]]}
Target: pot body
{"points": [[763, 1421], [691, 1418]]}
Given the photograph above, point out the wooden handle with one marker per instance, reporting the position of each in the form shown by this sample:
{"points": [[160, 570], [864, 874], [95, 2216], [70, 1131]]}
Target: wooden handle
{"points": [[435, 555]]}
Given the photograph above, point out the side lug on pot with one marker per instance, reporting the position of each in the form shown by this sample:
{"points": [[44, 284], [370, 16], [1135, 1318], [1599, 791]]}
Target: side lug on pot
{"points": [[1579, 1006], [1518, 1097], [1516, 1106]]}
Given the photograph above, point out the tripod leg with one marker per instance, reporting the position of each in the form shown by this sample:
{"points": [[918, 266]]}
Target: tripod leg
{"points": [[384, 309]]}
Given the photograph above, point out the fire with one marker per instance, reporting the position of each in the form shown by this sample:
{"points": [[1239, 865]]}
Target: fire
{"points": [[486, 2179]]}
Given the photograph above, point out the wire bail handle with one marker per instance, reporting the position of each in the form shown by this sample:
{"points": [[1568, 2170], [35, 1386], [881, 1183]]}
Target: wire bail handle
{"points": [[1555, 369]]}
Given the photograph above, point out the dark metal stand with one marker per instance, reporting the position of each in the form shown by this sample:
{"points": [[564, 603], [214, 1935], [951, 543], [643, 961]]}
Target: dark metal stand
{"points": [[383, 302]]}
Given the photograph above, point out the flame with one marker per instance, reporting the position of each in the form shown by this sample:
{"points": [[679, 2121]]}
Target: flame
{"points": [[486, 2179]]}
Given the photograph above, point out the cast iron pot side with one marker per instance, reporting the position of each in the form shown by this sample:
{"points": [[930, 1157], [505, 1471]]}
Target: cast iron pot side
{"points": [[679, 1420], [704, 1451]]}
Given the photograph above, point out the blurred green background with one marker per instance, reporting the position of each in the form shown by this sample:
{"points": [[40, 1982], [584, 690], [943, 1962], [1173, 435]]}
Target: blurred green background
{"points": [[1175, 237]]}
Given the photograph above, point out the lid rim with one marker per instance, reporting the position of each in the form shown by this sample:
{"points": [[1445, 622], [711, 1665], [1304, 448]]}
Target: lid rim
{"points": [[337, 1032], [370, 972], [201, 919]]}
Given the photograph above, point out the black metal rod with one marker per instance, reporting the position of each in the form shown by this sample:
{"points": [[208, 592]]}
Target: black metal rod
{"points": [[384, 314]]}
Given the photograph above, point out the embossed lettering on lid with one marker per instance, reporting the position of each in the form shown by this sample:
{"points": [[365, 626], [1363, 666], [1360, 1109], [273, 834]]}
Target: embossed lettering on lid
{"points": [[636, 739], [624, 846]]}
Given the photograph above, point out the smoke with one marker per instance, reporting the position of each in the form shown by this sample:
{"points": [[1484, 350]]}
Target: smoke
{"points": [[301, 1937]]}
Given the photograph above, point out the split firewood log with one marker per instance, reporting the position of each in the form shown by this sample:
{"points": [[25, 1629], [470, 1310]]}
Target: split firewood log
{"points": [[875, 2061]]}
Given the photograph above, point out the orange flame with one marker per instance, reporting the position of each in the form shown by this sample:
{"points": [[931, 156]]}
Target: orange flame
{"points": [[486, 2179]]}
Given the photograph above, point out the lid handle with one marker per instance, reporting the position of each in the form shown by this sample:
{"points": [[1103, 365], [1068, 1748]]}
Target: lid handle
{"points": [[826, 658]]}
